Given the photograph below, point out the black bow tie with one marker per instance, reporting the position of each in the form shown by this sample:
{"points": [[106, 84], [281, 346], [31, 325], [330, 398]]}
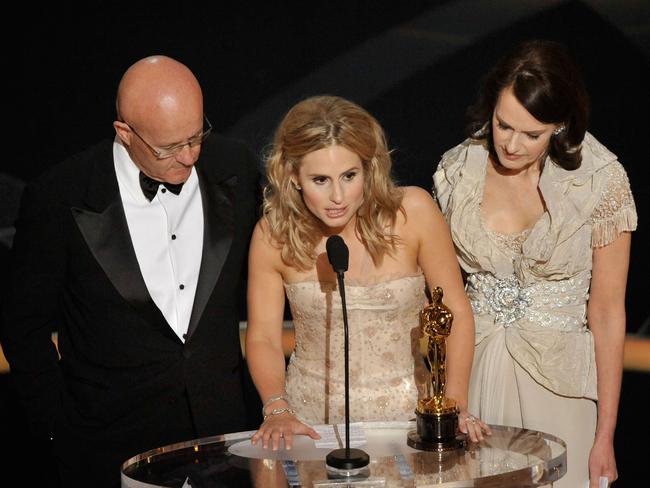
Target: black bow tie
{"points": [[150, 186]]}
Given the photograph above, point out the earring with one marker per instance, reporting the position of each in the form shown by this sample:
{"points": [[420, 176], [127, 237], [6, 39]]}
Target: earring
{"points": [[559, 130]]}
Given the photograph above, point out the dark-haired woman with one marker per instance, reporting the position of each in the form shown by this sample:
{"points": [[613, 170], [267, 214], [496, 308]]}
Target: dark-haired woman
{"points": [[541, 214]]}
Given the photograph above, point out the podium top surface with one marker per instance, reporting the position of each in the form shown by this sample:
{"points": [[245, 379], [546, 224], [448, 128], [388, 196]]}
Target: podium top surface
{"points": [[510, 457]]}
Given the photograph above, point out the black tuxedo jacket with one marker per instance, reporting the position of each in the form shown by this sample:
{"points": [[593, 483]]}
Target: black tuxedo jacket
{"points": [[74, 270]]}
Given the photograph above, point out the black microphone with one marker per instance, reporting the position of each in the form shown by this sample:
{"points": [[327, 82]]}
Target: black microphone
{"points": [[347, 462], [337, 253]]}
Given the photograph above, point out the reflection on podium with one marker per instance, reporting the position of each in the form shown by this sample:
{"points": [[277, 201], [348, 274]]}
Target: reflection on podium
{"points": [[510, 457], [268, 472]]}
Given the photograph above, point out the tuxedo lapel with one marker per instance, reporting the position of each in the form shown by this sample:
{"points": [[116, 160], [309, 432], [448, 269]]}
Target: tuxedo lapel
{"points": [[104, 228], [217, 199]]}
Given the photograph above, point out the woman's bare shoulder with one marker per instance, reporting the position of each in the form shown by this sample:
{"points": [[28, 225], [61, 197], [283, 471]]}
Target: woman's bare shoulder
{"points": [[417, 199], [263, 242]]}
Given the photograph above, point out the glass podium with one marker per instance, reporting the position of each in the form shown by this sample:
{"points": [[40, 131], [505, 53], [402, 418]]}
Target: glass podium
{"points": [[510, 457]]}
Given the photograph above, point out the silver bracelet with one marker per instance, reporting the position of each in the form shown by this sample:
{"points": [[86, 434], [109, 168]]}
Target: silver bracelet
{"points": [[271, 400], [278, 411]]}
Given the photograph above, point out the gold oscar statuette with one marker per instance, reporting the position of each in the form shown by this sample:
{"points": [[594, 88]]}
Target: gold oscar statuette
{"points": [[436, 415]]}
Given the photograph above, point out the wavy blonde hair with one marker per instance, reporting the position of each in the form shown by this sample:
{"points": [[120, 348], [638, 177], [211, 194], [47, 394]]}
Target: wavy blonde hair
{"points": [[312, 124]]}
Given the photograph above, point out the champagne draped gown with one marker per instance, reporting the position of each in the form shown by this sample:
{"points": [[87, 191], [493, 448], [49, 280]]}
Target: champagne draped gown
{"points": [[534, 363]]}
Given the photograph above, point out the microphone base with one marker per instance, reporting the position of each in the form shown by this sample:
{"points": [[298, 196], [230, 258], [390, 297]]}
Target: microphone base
{"points": [[347, 462]]}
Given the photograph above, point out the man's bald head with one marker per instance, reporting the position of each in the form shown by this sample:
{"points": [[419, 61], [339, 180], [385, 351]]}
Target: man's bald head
{"points": [[158, 89], [160, 105]]}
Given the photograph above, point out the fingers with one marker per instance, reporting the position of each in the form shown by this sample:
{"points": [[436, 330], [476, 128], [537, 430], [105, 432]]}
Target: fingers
{"points": [[604, 479], [302, 429], [271, 437], [276, 438], [474, 427], [602, 482], [275, 434], [312, 433]]}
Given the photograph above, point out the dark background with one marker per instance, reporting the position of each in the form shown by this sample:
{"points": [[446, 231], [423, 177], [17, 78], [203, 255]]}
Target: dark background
{"points": [[415, 65]]}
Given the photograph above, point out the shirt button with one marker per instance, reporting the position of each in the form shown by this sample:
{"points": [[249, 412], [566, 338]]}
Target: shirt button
{"points": [[173, 237], [164, 190], [182, 287]]}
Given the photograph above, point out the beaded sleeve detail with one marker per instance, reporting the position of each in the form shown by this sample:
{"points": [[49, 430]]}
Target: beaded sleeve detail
{"points": [[615, 212]]}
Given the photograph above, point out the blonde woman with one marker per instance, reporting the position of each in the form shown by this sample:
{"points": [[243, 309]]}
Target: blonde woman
{"points": [[329, 174]]}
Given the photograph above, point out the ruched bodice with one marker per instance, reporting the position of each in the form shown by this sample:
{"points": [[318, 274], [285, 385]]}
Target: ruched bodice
{"points": [[533, 287], [383, 321]]}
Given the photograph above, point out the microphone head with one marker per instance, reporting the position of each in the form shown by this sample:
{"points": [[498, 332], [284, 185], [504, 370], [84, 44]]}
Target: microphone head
{"points": [[337, 253]]}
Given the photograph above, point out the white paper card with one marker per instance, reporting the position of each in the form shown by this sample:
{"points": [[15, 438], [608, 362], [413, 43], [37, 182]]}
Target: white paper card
{"points": [[603, 482], [333, 438]]}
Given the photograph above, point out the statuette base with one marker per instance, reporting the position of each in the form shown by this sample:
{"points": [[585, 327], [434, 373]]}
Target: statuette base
{"points": [[437, 432]]}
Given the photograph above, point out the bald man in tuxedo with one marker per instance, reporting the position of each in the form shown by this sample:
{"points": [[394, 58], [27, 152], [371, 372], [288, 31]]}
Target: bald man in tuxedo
{"points": [[134, 251]]}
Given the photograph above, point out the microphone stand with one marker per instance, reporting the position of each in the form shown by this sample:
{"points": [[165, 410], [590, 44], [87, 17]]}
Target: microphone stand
{"points": [[347, 461]]}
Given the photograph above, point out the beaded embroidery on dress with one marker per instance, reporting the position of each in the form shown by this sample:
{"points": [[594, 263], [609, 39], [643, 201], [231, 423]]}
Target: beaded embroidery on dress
{"points": [[385, 361]]}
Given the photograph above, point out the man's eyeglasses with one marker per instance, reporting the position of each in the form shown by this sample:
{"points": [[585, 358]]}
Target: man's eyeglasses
{"points": [[174, 149]]}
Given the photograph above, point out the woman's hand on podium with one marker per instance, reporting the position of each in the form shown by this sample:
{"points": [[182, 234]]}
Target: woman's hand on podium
{"points": [[282, 426], [473, 426]]}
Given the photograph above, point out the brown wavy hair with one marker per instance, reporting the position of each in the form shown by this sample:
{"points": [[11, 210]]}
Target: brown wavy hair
{"points": [[312, 124], [546, 81]]}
